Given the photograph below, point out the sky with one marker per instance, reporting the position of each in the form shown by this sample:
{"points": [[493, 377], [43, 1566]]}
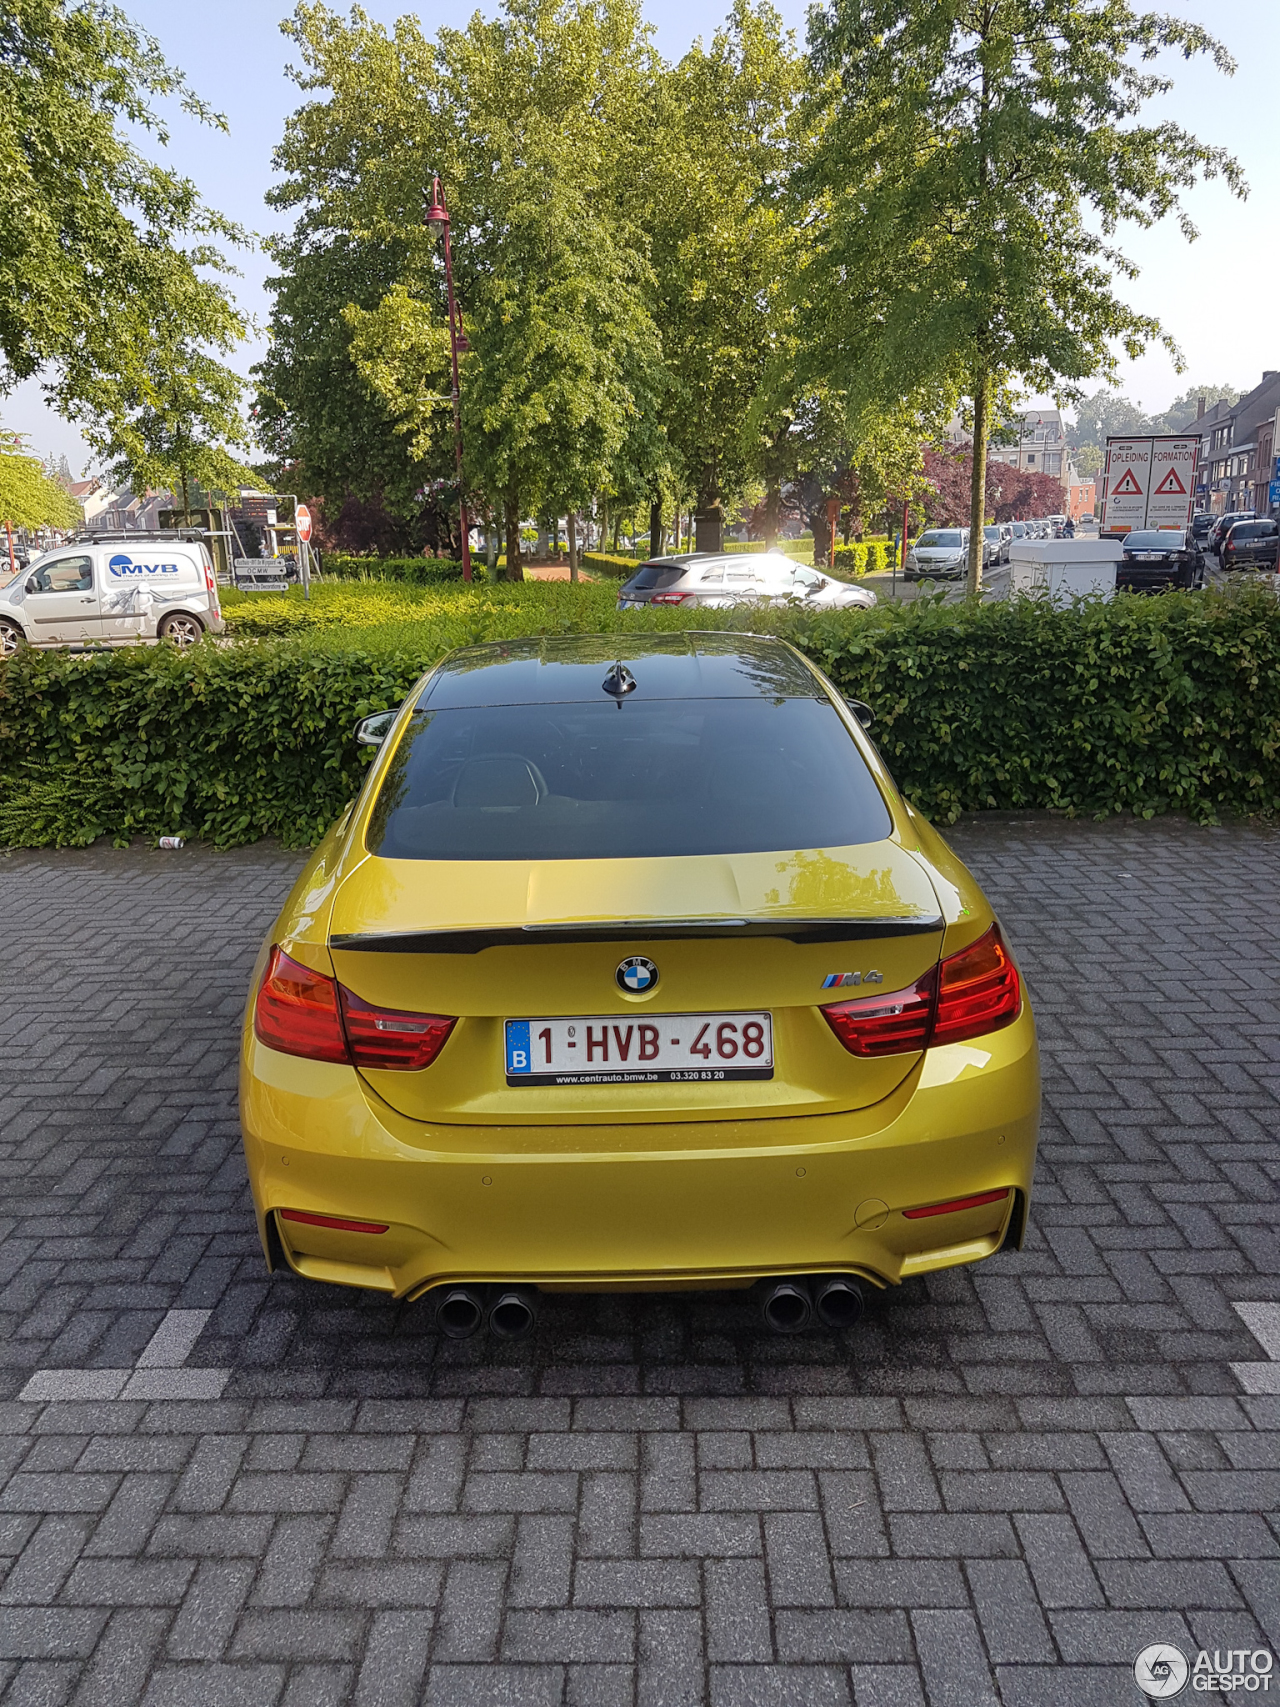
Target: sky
{"points": [[1215, 296]]}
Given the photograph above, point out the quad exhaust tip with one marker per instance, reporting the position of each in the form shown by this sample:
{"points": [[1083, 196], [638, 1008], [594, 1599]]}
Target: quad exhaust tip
{"points": [[513, 1314], [790, 1306], [839, 1302], [787, 1306], [460, 1312], [510, 1313]]}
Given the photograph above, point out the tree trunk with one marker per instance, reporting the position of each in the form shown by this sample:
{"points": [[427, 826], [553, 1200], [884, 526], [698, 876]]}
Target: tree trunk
{"points": [[978, 490], [821, 535], [772, 512], [708, 523], [515, 568], [655, 528], [573, 545], [708, 527]]}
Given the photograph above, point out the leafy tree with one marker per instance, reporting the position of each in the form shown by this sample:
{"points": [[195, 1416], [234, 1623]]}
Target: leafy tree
{"points": [[1011, 493], [327, 433], [1088, 459], [527, 118], [102, 253], [1182, 411], [29, 496], [975, 160], [725, 135], [167, 423]]}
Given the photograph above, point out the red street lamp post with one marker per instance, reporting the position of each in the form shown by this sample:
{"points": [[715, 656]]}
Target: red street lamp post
{"points": [[438, 219]]}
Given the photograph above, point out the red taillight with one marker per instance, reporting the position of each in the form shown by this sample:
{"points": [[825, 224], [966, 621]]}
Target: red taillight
{"points": [[967, 994], [955, 1204], [669, 598], [381, 1037], [885, 1025], [339, 1222], [301, 1012], [297, 1011], [978, 990]]}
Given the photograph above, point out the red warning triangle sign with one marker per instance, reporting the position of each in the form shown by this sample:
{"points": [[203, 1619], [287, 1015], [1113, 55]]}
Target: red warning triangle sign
{"points": [[1127, 486], [1171, 486]]}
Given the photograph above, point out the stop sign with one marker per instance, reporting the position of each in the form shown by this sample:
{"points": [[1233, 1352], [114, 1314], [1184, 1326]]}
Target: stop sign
{"points": [[302, 521]]}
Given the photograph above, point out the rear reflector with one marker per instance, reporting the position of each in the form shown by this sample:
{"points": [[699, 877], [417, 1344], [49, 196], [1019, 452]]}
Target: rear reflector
{"points": [[955, 1204], [335, 1221], [966, 995], [301, 1012]]}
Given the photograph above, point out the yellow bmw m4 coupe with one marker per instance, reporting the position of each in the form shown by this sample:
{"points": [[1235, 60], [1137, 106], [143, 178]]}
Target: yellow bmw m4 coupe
{"points": [[634, 973]]}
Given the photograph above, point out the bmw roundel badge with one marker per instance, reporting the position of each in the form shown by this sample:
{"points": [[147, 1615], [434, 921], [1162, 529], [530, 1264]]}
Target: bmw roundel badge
{"points": [[637, 975]]}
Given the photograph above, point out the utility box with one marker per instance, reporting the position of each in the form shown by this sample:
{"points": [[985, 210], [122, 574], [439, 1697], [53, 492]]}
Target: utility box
{"points": [[1064, 569]]}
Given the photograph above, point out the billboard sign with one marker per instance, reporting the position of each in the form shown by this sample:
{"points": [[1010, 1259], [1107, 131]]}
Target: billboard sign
{"points": [[1148, 484], [1173, 480], [1124, 503]]}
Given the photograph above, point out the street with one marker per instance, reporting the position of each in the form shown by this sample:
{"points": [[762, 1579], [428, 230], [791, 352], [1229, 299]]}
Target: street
{"points": [[225, 1487]]}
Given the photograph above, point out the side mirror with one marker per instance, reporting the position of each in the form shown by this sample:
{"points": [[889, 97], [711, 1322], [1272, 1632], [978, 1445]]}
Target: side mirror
{"points": [[862, 711], [372, 731]]}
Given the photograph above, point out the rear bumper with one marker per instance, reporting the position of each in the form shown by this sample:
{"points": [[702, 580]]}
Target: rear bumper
{"points": [[711, 1203]]}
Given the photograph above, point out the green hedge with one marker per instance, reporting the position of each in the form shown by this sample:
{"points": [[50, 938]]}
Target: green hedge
{"points": [[606, 563], [1140, 705], [865, 557], [413, 571]]}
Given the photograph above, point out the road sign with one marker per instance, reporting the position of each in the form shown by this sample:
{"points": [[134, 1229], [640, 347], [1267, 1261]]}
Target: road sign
{"points": [[302, 521], [1173, 465], [1148, 483], [264, 574], [1124, 491]]}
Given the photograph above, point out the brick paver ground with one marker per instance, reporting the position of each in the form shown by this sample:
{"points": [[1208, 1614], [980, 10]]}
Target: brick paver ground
{"points": [[998, 1489]]}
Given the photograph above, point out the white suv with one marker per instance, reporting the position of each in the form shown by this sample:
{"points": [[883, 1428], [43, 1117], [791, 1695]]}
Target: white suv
{"points": [[716, 580], [107, 593]]}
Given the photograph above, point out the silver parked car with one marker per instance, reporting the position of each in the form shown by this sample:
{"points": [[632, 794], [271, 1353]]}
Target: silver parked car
{"points": [[938, 554], [109, 593], [715, 581]]}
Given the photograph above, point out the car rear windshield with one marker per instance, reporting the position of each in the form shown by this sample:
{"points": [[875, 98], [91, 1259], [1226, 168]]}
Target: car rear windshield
{"points": [[949, 536], [653, 577], [1154, 539], [636, 781]]}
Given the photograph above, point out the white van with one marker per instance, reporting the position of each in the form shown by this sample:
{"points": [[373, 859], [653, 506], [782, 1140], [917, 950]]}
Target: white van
{"points": [[112, 593]]}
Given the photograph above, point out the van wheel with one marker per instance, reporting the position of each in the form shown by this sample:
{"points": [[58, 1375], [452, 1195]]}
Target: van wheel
{"points": [[12, 639], [181, 629]]}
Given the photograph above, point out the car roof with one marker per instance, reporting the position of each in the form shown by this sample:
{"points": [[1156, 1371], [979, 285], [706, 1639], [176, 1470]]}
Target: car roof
{"points": [[556, 669]]}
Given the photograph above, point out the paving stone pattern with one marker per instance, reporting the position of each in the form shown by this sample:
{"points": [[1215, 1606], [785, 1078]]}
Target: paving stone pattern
{"points": [[997, 1490]]}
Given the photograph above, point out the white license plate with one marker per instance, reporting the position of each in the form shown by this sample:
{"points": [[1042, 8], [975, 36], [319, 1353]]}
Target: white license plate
{"points": [[658, 1049]]}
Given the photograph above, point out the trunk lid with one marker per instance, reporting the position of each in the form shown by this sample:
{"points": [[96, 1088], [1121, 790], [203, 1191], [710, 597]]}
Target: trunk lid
{"points": [[521, 940]]}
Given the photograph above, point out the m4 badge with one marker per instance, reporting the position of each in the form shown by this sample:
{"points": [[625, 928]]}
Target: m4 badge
{"points": [[836, 980]]}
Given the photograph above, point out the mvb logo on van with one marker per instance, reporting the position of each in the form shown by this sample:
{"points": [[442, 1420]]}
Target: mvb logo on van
{"points": [[122, 564]]}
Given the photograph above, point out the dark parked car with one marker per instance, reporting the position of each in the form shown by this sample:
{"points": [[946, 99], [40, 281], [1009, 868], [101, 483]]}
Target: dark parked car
{"points": [[1223, 526], [1201, 524], [1158, 558], [1252, 545]]}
